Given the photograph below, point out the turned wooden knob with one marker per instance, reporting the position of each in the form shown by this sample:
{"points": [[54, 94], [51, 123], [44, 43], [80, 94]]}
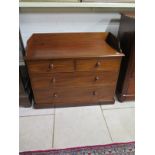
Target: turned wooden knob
{"points": [[51, 66], [55, 95], [94, 93], [96, 78], [98, 64], [53, 80]]}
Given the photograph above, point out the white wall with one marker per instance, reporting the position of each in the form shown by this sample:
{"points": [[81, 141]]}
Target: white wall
{"points": [[45, 22]]}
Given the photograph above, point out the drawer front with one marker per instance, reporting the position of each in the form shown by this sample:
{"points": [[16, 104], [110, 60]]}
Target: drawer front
{"points": [[76, 79], [75, 95], [51, 66], [106, 64], [43, 96], [41, 82]]}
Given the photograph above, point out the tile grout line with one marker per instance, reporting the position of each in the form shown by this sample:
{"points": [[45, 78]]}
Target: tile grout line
{"points": [[53, 129], [119, 108], [106, 123], [37, 115]]}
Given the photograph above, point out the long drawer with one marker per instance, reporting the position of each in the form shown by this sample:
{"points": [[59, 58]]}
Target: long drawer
{"points": [[75, 79], [74, 95]]}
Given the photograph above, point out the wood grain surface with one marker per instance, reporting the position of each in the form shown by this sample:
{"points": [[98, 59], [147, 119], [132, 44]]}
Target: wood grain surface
{"points": [[70, 69]]}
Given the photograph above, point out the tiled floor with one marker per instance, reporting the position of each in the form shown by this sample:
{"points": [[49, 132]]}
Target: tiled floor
{"points": [[76, 126], [36, 132]]}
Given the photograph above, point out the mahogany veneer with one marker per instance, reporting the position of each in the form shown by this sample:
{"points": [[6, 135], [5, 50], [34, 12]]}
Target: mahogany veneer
{"points": [[70, 69], [126, 82]]}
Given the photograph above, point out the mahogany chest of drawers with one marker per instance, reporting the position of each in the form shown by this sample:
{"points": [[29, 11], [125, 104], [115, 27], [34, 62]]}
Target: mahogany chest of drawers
{"points": [[70, 69]]}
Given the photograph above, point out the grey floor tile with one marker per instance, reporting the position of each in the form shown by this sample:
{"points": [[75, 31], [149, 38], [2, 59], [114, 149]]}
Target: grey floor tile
{"points": [[119, 105], [23, 112], [121, 124], [35, 132], [80, 126]]}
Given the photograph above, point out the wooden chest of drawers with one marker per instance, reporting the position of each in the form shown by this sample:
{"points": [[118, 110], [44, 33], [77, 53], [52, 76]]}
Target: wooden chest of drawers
{"points": [[70, 69]]}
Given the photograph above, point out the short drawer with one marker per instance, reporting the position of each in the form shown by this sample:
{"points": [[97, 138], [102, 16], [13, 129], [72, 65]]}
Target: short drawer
{"points": [[106, 64], [75, 95], [51, 66], [75, 79]]}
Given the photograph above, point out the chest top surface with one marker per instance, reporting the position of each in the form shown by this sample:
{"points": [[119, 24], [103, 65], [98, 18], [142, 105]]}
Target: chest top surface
{"points": [[69, 45]]}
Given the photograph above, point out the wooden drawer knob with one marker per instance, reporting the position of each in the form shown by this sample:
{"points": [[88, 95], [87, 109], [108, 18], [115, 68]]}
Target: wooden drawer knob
{"points": [[96, 78], [94, 93], [98, 64], [55, 95], [51, 66], [53, 80]]}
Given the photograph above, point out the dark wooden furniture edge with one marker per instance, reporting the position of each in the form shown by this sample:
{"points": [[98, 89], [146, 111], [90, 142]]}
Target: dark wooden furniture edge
{"points": [[124, 97], [24, 101], [127, 62], [113, 42]]}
